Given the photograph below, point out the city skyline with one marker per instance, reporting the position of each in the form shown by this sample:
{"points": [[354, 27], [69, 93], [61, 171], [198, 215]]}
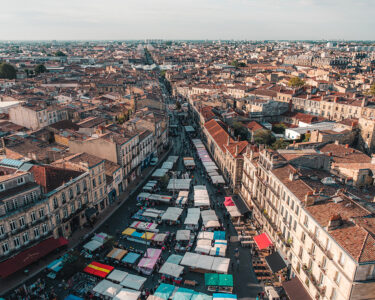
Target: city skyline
{"points": [[192, 20]]}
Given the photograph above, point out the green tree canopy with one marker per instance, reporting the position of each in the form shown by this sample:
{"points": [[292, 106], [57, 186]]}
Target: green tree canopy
{"points": [[7, 71], [264, 136], [40, 69], [278, 128], [238, 64], [296, 82], [280, 144], [240, 130], [60, 53]]}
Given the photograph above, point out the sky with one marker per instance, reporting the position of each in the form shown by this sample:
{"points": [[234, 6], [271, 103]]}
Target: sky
{"points": [[187, 19]]}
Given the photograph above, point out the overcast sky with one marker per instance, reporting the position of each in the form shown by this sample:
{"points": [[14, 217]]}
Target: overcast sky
{"points": [[187, 19]]}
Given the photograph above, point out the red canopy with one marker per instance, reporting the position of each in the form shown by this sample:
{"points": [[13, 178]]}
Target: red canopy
{"points": [[28, 256], [262, 241], [228, 201], [98, 269]]}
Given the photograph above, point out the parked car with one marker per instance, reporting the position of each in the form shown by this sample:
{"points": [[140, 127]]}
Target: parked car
{"points": [[154, 161]]}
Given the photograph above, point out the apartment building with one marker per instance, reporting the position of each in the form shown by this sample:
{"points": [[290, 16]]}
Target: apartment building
{"points": [[323, 230], [23, 212], [94, 166], [228, 154], [67, 194], [36, 117]]}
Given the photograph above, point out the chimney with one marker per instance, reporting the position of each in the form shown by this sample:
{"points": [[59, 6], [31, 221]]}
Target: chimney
{"points": [[337, 142], [334, 222], [236, 150], [309, 198], [248, 150], [346, 146], [228, 140]]}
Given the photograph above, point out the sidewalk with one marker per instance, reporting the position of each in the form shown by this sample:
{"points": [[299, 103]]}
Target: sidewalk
{"points": [[19, 278]]}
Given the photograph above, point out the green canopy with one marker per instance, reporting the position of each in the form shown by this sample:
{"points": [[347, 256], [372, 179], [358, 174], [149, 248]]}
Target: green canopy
{"points": [[211, 279], [225, 280]]}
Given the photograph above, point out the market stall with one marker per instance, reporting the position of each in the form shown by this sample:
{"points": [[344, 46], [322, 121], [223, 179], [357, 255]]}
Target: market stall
{"points": [[131, 258], [185, 240], [222, 283], [98, 269], [134, 282], [117, 275], [192, 218], [107, 289], [223, 296], [189, 163], [179, 184], [92, 246], [182, 198], [159, 173], [147, 264], [262, 241], [172, 214], [159, 198], [164, 291], [127, 294], [171, 270], [145, 226], [100, 237], [117, 253], [201, 197], [183, 294]]}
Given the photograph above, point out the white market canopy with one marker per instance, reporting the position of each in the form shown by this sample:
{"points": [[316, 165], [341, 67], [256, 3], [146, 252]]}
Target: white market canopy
{"points": [[183, 235], [160, 198], [206, 235], [217, 179], [160, 173], [201, 197], [133, 281], [117, 275], [92, 245], [193, 216], [172, 158], [206, 262], [172, 214], [179, 184], [127, 294], [171, 269], [167, 165], [182, 197], [107, 288]]}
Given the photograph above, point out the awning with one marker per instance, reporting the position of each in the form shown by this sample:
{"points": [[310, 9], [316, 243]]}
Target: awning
{"points": [[295, 290], [228, 201], [30, 255], [262, 241], [275, 262], [242, 206]]}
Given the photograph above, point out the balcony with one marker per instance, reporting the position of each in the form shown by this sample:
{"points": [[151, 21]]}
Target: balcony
{"points": [[4, 236]]}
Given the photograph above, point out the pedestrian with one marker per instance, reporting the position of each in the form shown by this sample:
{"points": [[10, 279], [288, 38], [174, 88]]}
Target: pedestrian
{"points": [[238, 262]]}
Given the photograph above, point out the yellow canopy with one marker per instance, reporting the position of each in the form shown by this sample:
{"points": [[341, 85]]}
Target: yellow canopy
{"points": [[148, 235], [128, 231]]}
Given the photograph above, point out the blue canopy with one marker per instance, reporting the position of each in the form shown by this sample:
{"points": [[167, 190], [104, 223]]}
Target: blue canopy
{"points": [[164, 291], [183, 294], [224, 296], [219, 235], [131, 258], [73, 297], [137, 234], [56, 265]]}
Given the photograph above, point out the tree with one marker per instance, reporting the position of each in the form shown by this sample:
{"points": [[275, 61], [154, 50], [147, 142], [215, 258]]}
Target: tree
{"points": [[264, 136], [280, 144], [306, 137], [7, 71], [162, 73], [60, 53], [296, 82], [40, 69], [238, 64], [372, 90], [164, 181], [278, 128], [240, 130]]}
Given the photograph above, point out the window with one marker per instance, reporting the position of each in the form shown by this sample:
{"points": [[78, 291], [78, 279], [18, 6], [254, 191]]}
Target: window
{"points": [[36, 232], [84, 185], [12, 225], [85, 199], [63, 198], [328, 244], [321, 279], [65, 212], [41, 213], [342, 259], [300, 254], [72, 208], [306, 222], [16, 242], [33, 216], [78, 188], [337, 277], [70, 193], [303, 237], [57, 217], [20, 180], [324, 262], [25, 237], [101, 192], [45, 228], [2, 188], [99, 180], [94, 183], [2, 230], [295, 225], [22, 221], [79, 204], [5, 248], [96, 196], [55, 203]]}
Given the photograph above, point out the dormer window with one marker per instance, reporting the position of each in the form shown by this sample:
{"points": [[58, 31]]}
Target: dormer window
{"points": [[20, 180], [2, 187]]}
